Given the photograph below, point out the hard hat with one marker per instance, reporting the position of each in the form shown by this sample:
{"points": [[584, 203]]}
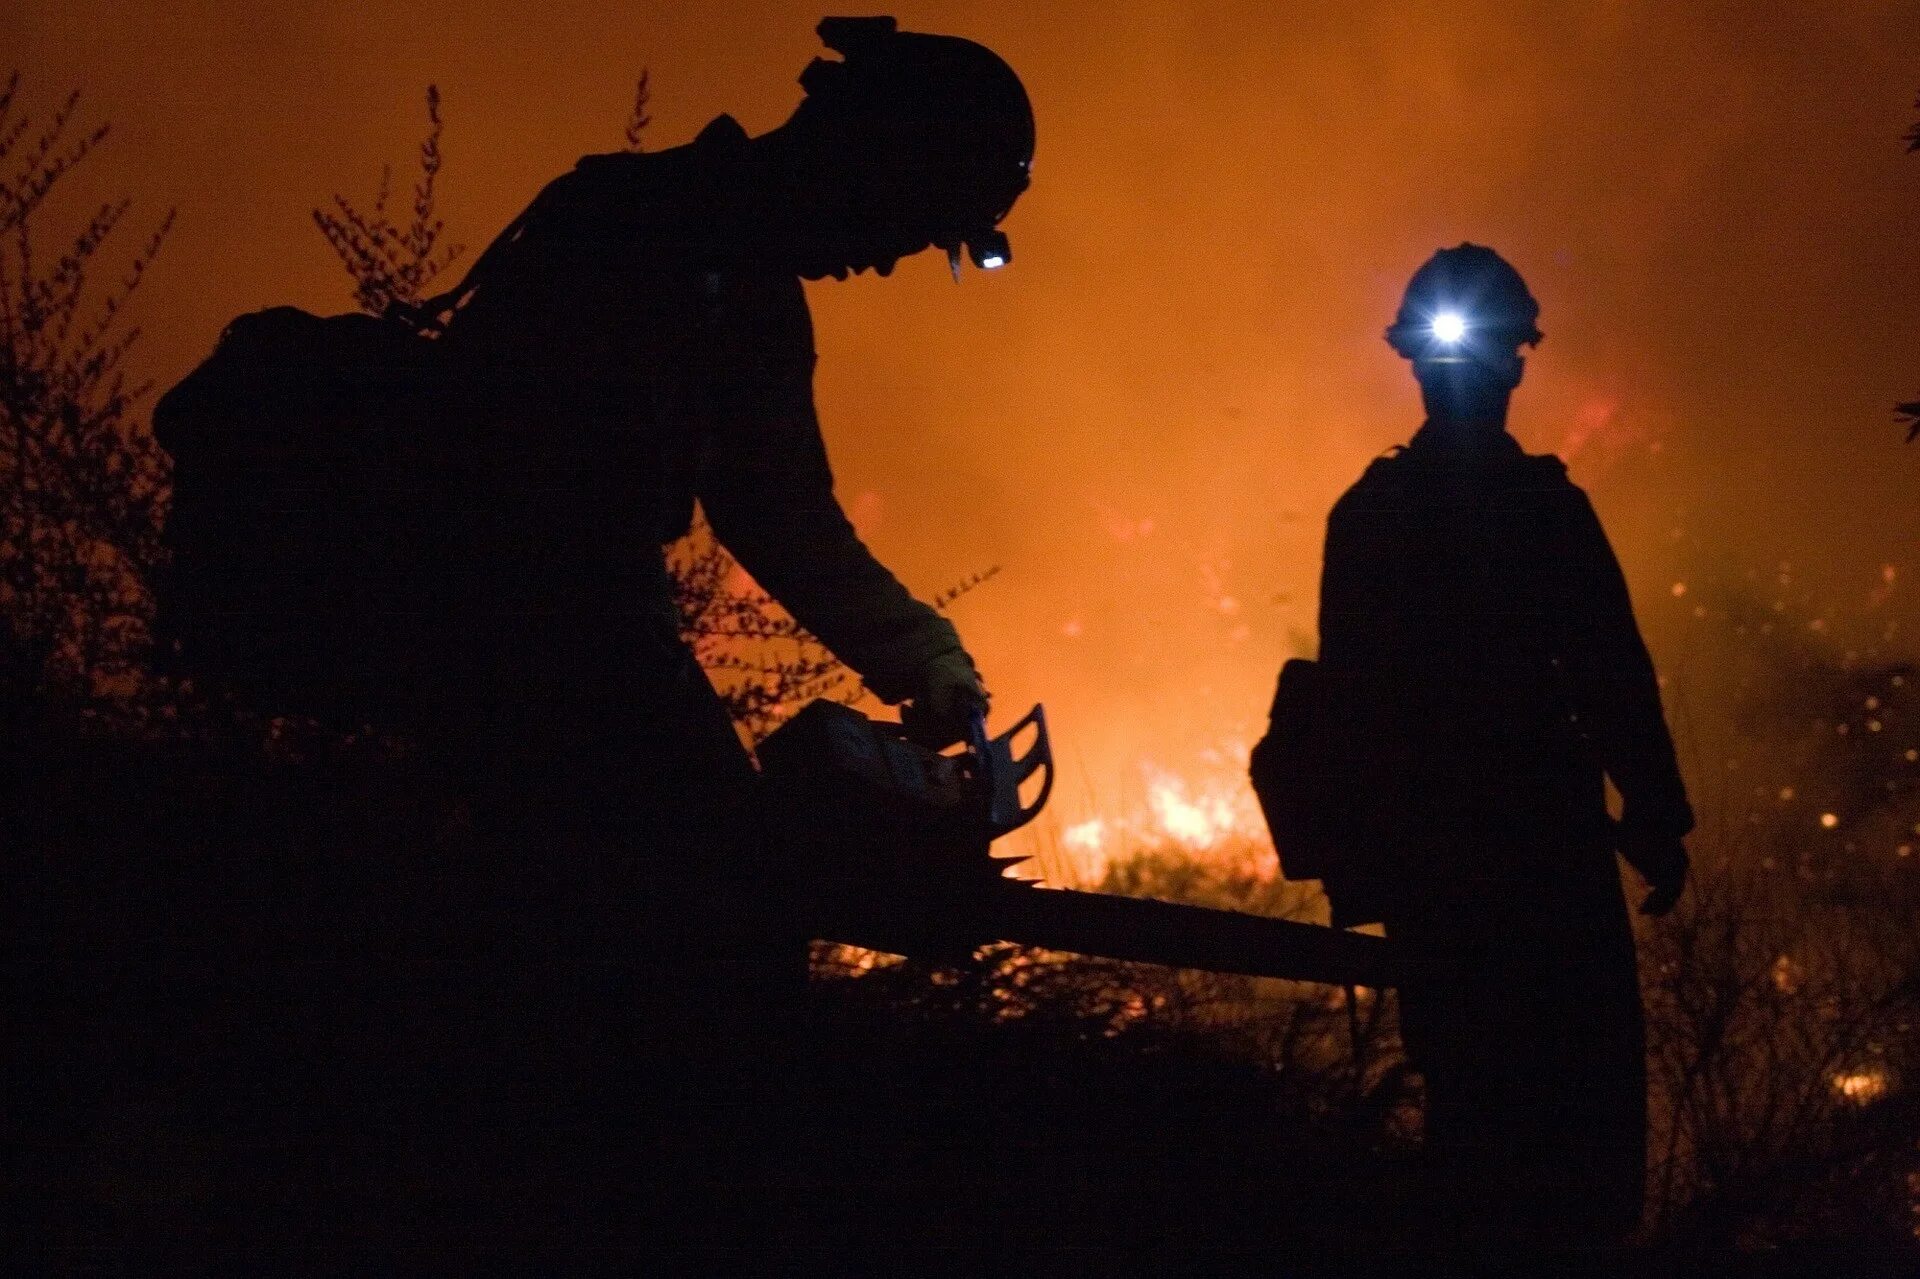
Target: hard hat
{"points": [[952, 110], [1464, 303]]}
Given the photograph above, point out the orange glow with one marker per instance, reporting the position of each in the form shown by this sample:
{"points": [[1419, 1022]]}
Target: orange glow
{"points": [[1202, 808], [1199, 815], [1144, 418], [1861, 1087]]}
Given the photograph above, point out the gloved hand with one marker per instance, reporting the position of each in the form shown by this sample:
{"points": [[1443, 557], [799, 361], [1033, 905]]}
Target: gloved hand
{"points": [[946, 691], [1662, 862]]}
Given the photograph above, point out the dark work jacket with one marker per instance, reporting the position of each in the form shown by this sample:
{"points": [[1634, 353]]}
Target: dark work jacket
{"points": [[1474, 613], [628, 355]]}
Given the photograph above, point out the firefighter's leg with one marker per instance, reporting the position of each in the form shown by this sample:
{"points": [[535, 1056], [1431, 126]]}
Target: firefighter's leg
{"points": [[701, 973]]}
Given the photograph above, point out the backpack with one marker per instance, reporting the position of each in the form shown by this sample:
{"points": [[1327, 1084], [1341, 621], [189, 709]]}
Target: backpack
{"points": [[1335, 781], [333, 506], [302, 452], [1297, 774]]}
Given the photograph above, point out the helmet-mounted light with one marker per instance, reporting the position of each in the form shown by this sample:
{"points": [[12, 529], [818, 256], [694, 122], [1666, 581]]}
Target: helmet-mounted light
{"points": [[1447, 338], [1442, 335], [988, 249]]}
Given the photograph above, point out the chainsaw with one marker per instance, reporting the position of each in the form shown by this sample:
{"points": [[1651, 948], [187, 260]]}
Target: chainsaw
{"points": [[890, 833], [893, 850]]}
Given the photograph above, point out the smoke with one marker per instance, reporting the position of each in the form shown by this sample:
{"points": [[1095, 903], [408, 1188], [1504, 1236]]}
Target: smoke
{"points": [[1145, 419]]}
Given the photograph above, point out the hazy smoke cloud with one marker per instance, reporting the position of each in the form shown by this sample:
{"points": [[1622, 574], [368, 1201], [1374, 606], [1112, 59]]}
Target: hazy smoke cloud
{"points": [[1147, 417]]}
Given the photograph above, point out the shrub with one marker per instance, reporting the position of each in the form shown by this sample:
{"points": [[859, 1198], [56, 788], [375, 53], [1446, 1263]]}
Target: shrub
{"points": [[83, 487]]}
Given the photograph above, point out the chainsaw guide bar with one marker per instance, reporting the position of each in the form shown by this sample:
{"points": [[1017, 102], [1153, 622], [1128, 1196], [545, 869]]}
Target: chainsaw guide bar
{"points": [[892, 847]]}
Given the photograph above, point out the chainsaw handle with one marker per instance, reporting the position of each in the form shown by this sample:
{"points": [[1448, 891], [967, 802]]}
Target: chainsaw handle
{"points": [[919, 726], [980, 744], [1002, 775]]}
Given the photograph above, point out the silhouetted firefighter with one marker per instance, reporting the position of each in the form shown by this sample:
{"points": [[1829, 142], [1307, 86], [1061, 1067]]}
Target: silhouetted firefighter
{"points": [[636, 340], [1481, 674]]}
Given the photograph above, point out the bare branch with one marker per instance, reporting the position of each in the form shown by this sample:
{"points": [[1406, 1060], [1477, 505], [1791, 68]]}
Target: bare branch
{"points": [[390, 264], [82, 485], [638, 119]]}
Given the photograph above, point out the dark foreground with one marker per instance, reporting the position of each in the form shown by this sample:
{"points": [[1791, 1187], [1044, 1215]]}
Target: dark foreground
{"points": [[176, 1092]]}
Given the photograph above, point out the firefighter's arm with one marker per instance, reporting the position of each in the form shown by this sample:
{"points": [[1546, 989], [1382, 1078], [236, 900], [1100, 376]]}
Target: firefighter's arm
{"points": [[767, 489], [1337, 580], [1618, 695], [1354, 620], [1350, 646]]}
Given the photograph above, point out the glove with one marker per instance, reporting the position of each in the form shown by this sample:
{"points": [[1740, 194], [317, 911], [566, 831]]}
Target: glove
{"points": [[1662, 862], [946, 692]]}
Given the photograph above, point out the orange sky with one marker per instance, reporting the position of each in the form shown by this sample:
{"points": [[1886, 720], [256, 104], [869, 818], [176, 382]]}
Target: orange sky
{"points": [[1145, 420]]}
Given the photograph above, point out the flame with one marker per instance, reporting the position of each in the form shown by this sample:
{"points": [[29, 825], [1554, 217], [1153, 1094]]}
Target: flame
{"points": [[1189, 820], [1861, 1087], [1200, 815], [1086, 837], [1206, 810]]}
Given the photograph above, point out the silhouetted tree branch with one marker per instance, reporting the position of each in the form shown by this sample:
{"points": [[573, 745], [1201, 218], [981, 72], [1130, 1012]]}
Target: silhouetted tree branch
{"points": [[390, 263], [638, 121], [82, 486], [762, 662]]}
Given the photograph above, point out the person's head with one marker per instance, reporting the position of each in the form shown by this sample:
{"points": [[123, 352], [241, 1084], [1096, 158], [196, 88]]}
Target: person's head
{"points": [[1465, 317], [908, 140]]}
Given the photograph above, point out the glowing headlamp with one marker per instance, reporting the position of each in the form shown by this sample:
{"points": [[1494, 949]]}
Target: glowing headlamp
{"points": [[1449, 327], [988, 249]]}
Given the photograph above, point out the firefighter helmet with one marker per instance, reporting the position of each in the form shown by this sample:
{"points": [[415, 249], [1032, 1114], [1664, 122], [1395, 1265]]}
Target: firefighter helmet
{"points": [[948, 114], [1465, 303]]}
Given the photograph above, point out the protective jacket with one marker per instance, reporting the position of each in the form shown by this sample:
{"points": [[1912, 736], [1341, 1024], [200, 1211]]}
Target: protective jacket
{"points": [[1473, 600], [632, 351]]}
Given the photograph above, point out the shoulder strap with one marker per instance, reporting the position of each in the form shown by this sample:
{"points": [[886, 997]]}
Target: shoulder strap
{"points": [[431, 316]]}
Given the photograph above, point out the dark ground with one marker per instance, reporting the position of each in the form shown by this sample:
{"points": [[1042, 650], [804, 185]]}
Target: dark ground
{"points": [[169, 1102]]}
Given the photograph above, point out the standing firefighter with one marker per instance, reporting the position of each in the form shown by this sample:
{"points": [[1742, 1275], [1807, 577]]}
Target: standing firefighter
{"points": [[1473, 611], [600, 939]]}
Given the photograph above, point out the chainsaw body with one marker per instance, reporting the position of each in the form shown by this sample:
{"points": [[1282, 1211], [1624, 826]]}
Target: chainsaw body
{"points": [[885, 831]]}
